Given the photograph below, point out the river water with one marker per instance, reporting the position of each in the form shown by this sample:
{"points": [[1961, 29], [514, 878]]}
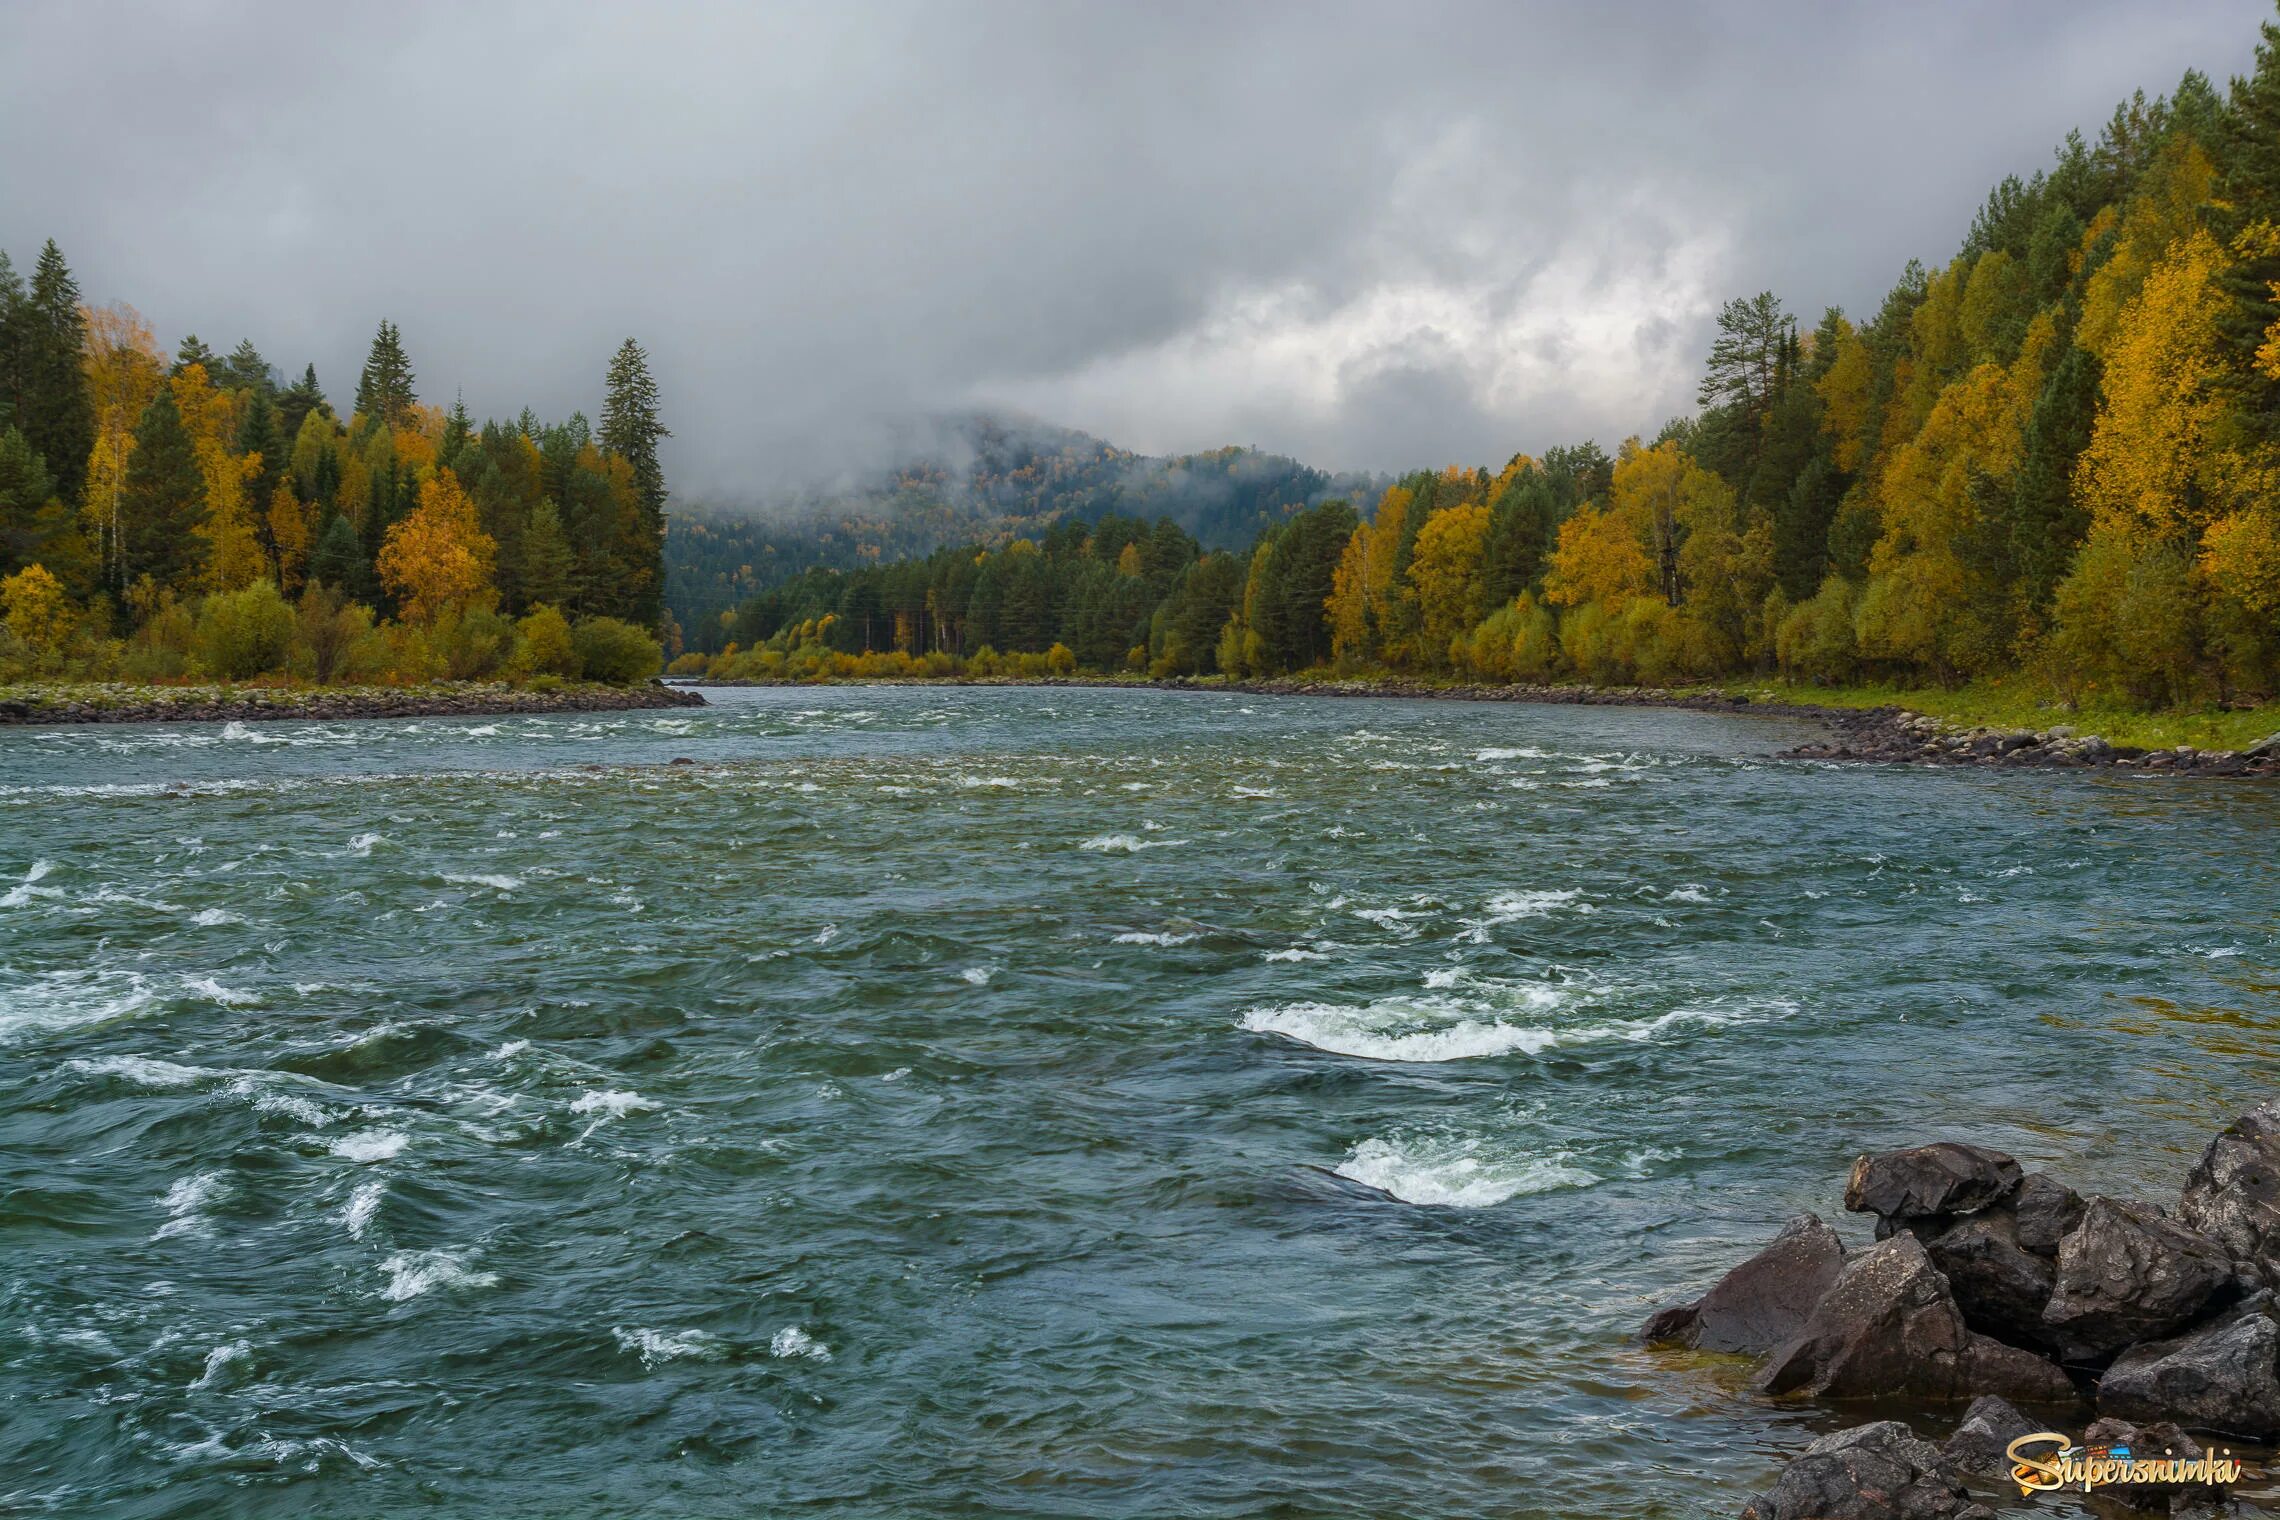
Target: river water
{"points": [[1043, 1102]]}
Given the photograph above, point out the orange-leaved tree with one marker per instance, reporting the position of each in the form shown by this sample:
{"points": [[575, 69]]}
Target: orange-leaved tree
{"points": [[438, 558]]}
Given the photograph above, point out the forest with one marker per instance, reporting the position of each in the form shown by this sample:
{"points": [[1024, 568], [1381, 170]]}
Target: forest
{"points": [[2054, 458], [197, 516]]}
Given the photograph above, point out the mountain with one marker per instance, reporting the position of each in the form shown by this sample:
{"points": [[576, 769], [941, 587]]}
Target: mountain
{"points": [[985, 479]]}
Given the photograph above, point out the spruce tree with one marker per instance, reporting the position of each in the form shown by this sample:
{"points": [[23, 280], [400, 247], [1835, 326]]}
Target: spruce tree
{"points": [[246, 370], [258, 433], [296, 401], [24, 489], [632, 428], [15, 314], [163, 501], [384, 387], [548, 567], [338, 560], [195, 351], [55, 413]]}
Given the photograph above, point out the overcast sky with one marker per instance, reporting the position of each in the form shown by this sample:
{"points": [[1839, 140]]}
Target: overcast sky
{"points": [[1372, 236]]}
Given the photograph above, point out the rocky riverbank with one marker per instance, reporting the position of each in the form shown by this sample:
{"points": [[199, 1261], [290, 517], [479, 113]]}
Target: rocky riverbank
{"points": [[32, 705], [1987, 1282]]}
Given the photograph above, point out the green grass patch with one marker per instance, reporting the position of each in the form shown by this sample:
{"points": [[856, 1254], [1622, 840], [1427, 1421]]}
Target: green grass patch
{"points": [[2019, 703]]}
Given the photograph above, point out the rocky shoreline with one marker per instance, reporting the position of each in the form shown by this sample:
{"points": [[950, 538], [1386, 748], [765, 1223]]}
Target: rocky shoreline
{"points": [[31, 706], [1990, 1283]]}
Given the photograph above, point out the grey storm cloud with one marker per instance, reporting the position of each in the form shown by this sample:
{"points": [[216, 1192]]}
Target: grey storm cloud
{"points": [[1371, 236]]}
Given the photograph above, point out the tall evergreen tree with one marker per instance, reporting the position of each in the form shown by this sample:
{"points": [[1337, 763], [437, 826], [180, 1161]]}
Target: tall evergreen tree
{"points": [[384, 387], [246, 370], [25, 489], [338, 559], [195, 351], [164, 500], [55, 413], [631, 427], [258, 433], [15, 315], [296, 401]]}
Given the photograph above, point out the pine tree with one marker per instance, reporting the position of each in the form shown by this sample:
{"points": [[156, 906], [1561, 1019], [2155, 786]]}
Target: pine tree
{"points": [[2249, 193], [24, 490], [338, 560], [258, 433], [384, 388], [246, 370], [164, 500], [195, 351], [632, 428], [548, 567], [55, 413], [15, 315], [296, 401]]}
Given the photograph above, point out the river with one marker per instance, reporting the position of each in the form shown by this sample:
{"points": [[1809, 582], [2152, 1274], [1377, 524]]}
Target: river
{"points": [[1041, 1102]]}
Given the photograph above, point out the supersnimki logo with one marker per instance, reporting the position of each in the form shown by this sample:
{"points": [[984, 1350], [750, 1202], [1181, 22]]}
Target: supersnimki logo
{"points": [[2047, 1460]]}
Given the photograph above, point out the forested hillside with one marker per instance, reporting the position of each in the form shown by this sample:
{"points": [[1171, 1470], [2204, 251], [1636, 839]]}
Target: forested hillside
{"points": [[979, 479], [198, 515], [2056, 454]]}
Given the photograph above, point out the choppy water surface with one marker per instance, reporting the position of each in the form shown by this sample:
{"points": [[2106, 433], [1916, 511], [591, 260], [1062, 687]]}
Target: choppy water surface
{"points": [[1021, 1102]]}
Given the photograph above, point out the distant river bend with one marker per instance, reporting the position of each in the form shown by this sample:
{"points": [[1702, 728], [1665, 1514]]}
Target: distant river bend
{"points": [[1022, 1101]]}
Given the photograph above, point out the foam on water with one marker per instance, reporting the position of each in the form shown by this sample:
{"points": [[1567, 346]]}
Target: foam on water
{"points": [[611, 1103], [413, 1273], [1125, 844], [793, 1341], [27, 889], [979, 976], [210, 918], [371, 1145], [499, 883], [654, 1346], [1166, 938], [1462, 1171], [185, 1204], [363, 1208], [54, 1001], [214, 992], [1295, 953], [219, 1359], [1390, 1031], [144, 1071]]}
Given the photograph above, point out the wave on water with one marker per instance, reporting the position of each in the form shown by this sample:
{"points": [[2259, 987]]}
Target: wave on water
{"points": [[1125, 844], [495, 882], [1523, 752], [979, 976], [144, 1071], [58, 1000], [219, 1359], [214, 992], [185, 1204], [362, 844], [1517, 907], [1441, 1026], [412, 1273], [1167, 938], [1463, 1172], [654, 1346], [212, 918], [371, 1145], [363, 1208], [27, 889], [793, 1341], [1295, 953]]}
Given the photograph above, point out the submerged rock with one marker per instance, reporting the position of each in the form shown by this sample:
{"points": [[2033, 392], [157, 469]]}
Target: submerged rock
{"points": [[2223, 1376], [2130, 1273], [1764, 1301], [1870, 1472], [2232, 1195], [1890, 1327], [1930, 1180], [1982, 1439]]}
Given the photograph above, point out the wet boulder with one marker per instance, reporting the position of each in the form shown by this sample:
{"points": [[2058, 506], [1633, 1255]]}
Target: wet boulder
{"points": [[1890, 1327], [2000, 1286], [1930, 1180], [2232, 1195], [2047, 1211], [1981, 1443], [1869, 1472], [1764, 1301], [2149, 1443], [2223, 1376], [2129, 1273]]}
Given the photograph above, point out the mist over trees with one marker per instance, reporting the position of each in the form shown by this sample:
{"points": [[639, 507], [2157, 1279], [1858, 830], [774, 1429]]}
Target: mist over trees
{"points": [[2058, 453]]}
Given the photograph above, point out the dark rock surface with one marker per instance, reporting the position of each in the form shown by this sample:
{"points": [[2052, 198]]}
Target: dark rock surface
{"points": [[2161, 1439], [2223, 1376], [1983, 1437], [1927, 1181], [2000, 1285], [1869, 1472], [2047, 1211], [2232, 1195], [2130, 1273], [1764, 1301], [1890, 1328]]}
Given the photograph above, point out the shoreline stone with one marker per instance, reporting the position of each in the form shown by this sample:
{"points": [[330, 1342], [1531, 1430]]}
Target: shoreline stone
{"points": [[264, 704]]}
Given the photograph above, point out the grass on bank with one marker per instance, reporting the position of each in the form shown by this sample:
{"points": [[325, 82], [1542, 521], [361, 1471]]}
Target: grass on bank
{"points": [[2021, 703]]}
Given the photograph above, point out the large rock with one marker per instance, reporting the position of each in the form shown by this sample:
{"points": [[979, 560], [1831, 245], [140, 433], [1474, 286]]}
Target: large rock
{"points": [[1928, 1180], [1889, 1327], [2223, 1376], [2130, 1273], [2047, 1211], [2232, 1195], [1764, 1301], [1999, 1284], [2149, 1442], [1982, 1440], [1870, 1472]]}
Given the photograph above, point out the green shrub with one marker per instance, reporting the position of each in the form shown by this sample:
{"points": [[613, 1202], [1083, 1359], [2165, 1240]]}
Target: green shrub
{"points": [[244, 633], [547, 647], [615, 651]]}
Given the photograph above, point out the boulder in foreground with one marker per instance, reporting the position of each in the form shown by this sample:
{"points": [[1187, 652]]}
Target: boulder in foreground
{"points": [[1763, 1302], [2130, 1273], [2223, 1376], [2232, 1195], [1889, 1327], [1930, 1180], [1870, 1472]]}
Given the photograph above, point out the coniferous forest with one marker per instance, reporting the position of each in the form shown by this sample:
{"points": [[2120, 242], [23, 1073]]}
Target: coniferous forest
{"points": [[200, 516], [2054, 458]]}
